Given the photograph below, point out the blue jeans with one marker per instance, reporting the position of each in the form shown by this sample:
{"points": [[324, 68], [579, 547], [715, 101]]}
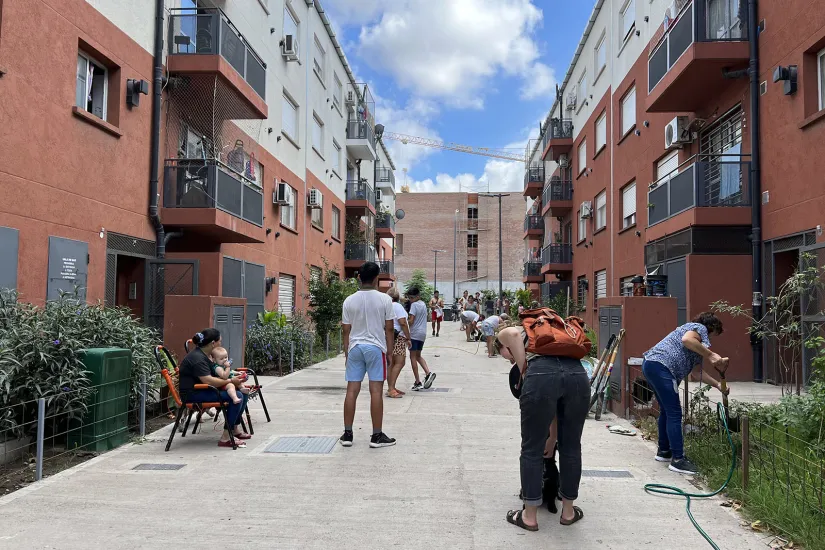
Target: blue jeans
{"points": [[666, 389], [233, 412], [365, 359]]}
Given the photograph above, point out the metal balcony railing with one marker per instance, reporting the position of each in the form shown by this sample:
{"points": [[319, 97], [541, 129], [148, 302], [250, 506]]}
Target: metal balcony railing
{"points": [[559, 128], [695, 22], [361, 129], [533, 222], [557, 190], [385, 175], [385, 222], [360, 191], [557, 254], [534, 174], [702, 180], [208, 31], [359, 251], [551, 290], [532, 269], [198, 183], [387, 267]]}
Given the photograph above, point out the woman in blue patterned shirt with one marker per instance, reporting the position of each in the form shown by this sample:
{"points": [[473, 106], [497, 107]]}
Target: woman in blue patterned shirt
{"points": [[668, 363]]}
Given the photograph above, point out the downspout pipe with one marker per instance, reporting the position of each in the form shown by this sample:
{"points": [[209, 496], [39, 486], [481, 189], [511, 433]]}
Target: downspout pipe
{"points": [[756, 185], [157, 90]]}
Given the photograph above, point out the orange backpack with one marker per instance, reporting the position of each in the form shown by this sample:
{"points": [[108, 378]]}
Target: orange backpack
{"points": [[547, 333]]}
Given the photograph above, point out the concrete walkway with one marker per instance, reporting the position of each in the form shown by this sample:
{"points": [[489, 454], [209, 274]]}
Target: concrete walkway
{"points": [[447, 484]]}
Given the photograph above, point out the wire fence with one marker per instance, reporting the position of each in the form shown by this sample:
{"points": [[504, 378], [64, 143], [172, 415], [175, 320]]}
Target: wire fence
{"points": [[301, 351]]}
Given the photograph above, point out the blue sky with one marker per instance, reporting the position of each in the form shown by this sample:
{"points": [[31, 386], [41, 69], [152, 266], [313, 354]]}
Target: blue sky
{"points": [[476, 72]]}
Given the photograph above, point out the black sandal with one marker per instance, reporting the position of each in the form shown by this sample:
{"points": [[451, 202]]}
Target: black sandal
{"points": [[515, 517], [577, 515]]}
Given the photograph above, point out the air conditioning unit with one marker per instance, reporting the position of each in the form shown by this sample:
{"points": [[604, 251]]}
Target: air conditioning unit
{"points": [[282, 195], [571, 101], [289, 48], [677, 133], [350, 99], [377, 195], [586, 210], [315, 199], [564, 161]]}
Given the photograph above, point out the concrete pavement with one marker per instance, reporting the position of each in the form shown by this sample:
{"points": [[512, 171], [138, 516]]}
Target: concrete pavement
{"points": [[447, 483]]}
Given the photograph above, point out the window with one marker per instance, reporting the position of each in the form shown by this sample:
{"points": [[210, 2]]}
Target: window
{"points": [[290, 23], [338, 96], [601, 286], [288, 210], [317, 218], [627, 18], [315, 274], [399, 243], [319, 60], [582, 156], [317, 135], [629, 111], [668, 166], [336, 223], [582, 90], [581, 291], [472, 266], [820, 63], [472, 212], [92, 87], [472, 241], [601, 132], [629, 205], [601, 56], [582, 227], [290, 118], [601, 210], [286, 294], [626, 286], [338, 158]]}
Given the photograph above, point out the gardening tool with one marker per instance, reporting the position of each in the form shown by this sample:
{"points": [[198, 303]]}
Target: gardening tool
{"points": [[602, 392], [597, 369], [733, 421]]}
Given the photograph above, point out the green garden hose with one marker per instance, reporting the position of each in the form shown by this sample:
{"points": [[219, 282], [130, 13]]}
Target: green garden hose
{"points": [[659, 489]]}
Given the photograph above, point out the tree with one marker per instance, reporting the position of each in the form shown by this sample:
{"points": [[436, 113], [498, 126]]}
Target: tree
{"points": [[419, 279], [327, 293]]}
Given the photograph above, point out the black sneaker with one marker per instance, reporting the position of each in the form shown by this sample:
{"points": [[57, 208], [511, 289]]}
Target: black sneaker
{"points": [[381, 440], [683, 466], [346, 439], [664, 456], [433, 333], [428, 380], [417, 386]]}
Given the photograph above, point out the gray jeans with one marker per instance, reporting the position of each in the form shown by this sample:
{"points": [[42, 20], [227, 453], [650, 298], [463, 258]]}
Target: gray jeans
{"points": [[553, 386]]}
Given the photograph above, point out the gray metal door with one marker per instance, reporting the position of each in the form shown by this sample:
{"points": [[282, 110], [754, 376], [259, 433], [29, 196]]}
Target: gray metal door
{"points": [[9, 246], [68, 268], [616, 374], [229, 320], [221, 322], [165, 278], [254, 289], [676, 272], [232, 286]]}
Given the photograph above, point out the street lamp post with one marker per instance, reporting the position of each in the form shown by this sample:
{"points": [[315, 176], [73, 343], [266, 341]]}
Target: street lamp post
{"points": [[435, 273], [455, 249], [500, 255]]}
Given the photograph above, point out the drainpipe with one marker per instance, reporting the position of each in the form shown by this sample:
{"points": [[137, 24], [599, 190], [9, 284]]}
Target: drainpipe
{"points": [[154, 160], [756, 185]]}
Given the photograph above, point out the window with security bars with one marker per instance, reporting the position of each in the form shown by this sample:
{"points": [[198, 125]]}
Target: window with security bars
{"points": [[626, 286], [581, 291], [721, 147], [472, 265], [601, 286], [472, 212], [629, 205], [472, 241]]}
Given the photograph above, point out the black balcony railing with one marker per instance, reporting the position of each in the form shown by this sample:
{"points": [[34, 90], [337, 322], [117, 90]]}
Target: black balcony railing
{"points": [[360, 191], [197, 183], [209, 32], [534, 174], [361, 129], [557, 254], [385, 175], [387, 267], [559, 128], [532, 269], [696, 22], [533, 222], [359, 251], [703, 180], [551, 290], [385, 222], [557, 190]]}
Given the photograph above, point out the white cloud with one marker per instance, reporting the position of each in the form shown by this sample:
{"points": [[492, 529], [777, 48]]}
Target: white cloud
{"points": [[499, 175], [542, 83]]}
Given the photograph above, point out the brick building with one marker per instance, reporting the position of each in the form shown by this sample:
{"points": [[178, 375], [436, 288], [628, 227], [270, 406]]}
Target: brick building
{"points": [[662, 156], [433, 221]]}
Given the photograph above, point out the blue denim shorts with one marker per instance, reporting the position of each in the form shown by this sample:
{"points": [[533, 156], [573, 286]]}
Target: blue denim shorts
{"points": [[416, 345], [364, 359]]}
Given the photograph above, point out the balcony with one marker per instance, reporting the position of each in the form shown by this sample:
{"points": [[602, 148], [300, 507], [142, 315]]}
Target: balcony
{"points": [[385, 176], [215, 60], [532, 272], [689, 54], [209, 198], [704, 190], [557, 258], [387, 270], [551, 290], [360, 194], [361, 123], [385, 225], [355, 254], [533, 181], [557, 139], [557, 197], [533, 225]]}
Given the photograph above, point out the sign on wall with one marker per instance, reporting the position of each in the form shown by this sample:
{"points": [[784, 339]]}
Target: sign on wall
{"points": [[9, 246], [68, 267]]}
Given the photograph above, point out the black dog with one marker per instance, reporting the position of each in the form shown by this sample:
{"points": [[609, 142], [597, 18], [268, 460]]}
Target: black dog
{"points": [[550, 483]]}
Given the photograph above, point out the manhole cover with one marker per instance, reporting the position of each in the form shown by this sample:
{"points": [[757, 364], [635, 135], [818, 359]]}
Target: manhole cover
{"points": [[166, 467], [336, 389], [316, 445], [606, 473]]}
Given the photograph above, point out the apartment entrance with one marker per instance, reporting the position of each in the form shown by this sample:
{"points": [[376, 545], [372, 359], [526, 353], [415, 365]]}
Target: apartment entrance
{"points": [[126, 271]]}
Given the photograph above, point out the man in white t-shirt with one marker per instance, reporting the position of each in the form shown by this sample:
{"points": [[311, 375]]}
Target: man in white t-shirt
{"points": [[367, 324], [469, 319]]}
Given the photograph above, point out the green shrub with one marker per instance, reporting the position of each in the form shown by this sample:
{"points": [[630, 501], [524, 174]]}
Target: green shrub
{"points": [[326, 296], [419, 279], [268, 345]]}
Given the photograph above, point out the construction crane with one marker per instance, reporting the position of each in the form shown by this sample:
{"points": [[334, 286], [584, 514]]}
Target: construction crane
{"points": [[505, 154]]}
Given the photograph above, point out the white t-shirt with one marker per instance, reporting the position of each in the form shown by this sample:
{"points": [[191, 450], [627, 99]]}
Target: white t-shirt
{"points": [[418, 330], [367, 311], [400, 313], [470, 316], [493, 320]]}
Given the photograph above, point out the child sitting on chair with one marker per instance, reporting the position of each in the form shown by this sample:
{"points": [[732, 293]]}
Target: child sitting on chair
{"points": [[222, 368]]}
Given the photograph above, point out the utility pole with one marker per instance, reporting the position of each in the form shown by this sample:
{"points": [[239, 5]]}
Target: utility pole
{"points": [[435, 273], [500, 256], [455, 249]]}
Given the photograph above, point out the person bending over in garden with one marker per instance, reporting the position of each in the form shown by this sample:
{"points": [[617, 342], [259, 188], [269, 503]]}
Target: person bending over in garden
{"points": [[222, 368], [665, 366], [489, 327], [196, 368]]}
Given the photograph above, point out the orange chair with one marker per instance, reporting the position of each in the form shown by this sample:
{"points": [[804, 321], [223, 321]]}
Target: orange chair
{"points": [[167, 364]]}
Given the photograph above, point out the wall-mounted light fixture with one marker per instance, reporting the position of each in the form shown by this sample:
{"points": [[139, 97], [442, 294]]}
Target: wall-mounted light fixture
{"points": [[788, 75], [134, 89]]}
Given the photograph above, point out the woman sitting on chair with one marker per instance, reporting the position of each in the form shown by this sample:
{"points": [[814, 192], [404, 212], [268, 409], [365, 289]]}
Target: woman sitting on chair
{"points": [[196, 368]]}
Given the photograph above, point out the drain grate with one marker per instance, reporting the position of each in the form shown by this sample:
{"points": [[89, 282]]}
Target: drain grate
{"points": [[315, 445], [607, 473], [162, 467]]}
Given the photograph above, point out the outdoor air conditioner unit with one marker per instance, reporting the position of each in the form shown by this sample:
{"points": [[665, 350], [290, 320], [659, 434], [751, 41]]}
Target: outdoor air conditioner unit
{"points": [[677, 133], [564, 161], [315, 199], [571, 101], [377, 195], [281, 195], [350, 99], [586, 210], [289, 48]]}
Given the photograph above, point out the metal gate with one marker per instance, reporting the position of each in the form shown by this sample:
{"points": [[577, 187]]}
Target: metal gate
{"points": [[811, 308], [167, 278]]}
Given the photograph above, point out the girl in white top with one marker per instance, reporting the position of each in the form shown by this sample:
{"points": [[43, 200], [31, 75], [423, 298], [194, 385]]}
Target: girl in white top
{"points": [[402, 342]]}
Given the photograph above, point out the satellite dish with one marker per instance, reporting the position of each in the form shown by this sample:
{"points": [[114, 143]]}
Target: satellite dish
{"points": [[399, 214]]}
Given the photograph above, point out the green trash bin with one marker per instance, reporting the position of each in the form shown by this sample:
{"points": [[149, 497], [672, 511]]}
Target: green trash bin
{"points": [[106, 422]]}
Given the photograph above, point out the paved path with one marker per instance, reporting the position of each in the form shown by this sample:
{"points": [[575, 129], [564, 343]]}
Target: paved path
{"points": [[447, 484]]}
